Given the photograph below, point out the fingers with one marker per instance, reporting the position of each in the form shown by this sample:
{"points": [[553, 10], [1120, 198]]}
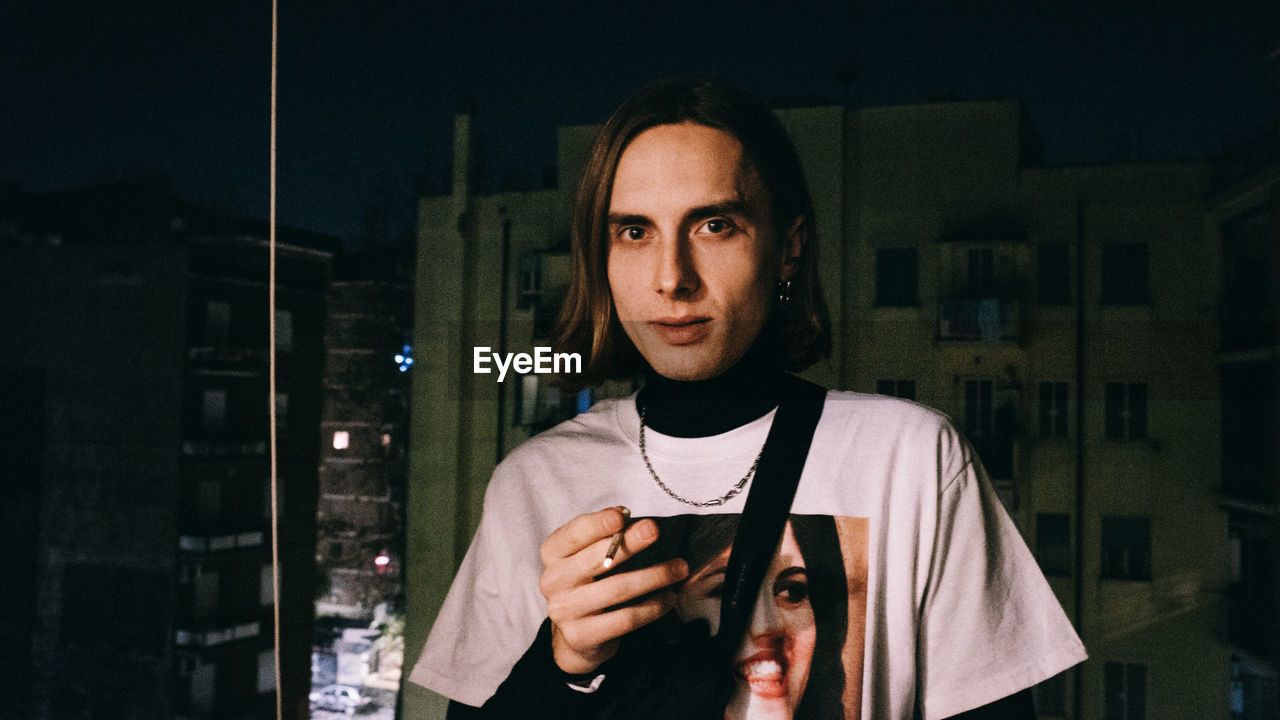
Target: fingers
{"points": [[603, 596], [578, 533], [588, 621], [589, 612]]}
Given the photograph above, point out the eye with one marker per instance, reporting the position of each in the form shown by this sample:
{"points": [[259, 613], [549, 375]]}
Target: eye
{"points": [[792, 590], [717, 226], [632, 232]]}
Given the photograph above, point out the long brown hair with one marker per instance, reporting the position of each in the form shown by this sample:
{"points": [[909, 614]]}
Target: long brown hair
{"points": [[588, 324]]}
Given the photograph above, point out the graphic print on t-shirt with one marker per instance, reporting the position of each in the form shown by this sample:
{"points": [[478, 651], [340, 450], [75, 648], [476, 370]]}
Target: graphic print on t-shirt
{"points": [[803, 651]]}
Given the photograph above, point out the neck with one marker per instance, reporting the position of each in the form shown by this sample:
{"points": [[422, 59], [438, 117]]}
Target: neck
{"points": [[699, 408]]}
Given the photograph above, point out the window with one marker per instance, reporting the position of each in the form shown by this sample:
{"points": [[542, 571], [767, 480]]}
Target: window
{"points": [[266, 671], [530, 293], [1126, 274], [207, 591], [341, 440], [896, 277], [897, 388], [979, 418], [1053, 274], [981, 272], [1126, 548], [1053, 409], [1053, 543], [266, 586], [527, 401], [213, 411], [989, 427], [284, 331], [1126, 411], [1051, 697], [282, 412], [217, 322], [1125, 688], [209, 500]]}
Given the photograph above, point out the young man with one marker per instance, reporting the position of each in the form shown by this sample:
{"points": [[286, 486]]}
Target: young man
{"points": [[900, 586]]}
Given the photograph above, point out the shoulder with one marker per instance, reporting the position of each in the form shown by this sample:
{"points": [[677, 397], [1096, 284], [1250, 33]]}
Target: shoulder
{"points": [[880, 415], [569, 459], [593, 431], [881, 429]]}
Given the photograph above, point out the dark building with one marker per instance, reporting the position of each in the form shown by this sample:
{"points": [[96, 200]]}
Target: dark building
{"points": [[1246, 205], [137, 522], [363, 431]]}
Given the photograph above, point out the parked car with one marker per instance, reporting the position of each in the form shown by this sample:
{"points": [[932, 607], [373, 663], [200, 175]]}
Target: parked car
{"points": [[340, 698]]}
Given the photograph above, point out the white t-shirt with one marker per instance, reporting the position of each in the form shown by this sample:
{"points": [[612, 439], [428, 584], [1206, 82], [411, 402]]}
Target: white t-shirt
{"points": [[943, 598]]}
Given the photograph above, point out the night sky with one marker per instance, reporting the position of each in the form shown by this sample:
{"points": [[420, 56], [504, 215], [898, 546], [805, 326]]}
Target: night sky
{"points": [[109, 90]]}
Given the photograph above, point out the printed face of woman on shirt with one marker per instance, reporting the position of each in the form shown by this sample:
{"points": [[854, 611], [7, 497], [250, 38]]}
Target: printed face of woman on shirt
{"points": [[772, 665]]}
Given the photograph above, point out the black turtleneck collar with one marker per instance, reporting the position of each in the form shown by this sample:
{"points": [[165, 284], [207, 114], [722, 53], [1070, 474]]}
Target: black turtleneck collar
{"points": [[700, 408]]}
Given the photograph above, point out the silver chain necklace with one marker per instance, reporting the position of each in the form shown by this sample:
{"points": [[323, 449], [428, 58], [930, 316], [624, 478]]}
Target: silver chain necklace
{"points": [[705, 503]]}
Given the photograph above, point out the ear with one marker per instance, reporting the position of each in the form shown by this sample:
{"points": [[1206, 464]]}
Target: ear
{"points": [[792, 246]]}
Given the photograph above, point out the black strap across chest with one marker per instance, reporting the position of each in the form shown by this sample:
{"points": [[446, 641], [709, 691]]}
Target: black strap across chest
{"points": [[767, 506]]}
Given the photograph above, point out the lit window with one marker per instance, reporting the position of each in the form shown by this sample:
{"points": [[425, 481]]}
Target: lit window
{"points": [[341, 440]]}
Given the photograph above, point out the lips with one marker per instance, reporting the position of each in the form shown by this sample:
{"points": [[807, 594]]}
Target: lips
{"points": [[766, 674], [684, 330]]}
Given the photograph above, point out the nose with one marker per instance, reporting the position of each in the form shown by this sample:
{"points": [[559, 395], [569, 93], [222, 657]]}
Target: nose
{"points": [[677, 273], [765, 620]]}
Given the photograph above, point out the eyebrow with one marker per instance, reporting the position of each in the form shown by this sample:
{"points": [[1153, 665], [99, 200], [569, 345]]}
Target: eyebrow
{"points": [[793, 570], [728, 207]]}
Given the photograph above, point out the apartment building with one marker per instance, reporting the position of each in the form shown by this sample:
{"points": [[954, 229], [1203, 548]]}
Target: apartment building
{"points": [[1246, 206], [135, 336]]}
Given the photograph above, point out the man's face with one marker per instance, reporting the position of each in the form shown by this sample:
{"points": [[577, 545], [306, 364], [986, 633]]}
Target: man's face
{"points": [[693, 257]]}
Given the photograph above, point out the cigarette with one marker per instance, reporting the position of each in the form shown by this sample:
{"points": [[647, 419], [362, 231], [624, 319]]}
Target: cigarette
{"points": [[617, 540]]}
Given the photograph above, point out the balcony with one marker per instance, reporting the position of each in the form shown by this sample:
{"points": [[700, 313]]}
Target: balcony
{"points": [[978, 320], [208, 637], [201, 544]]}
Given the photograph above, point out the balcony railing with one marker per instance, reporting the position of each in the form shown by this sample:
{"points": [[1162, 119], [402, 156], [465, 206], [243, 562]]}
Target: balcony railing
{"points": [[216, 543], [214, 636], [982, 319]]}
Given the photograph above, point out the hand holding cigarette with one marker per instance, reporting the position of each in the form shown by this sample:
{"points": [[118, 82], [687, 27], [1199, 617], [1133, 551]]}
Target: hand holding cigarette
{"points": [[590, 612]]}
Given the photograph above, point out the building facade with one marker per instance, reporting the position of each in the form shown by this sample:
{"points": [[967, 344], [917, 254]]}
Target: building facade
{"points": [[135, 332], [1065, 318], [1246, 204], [363, 435]]}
